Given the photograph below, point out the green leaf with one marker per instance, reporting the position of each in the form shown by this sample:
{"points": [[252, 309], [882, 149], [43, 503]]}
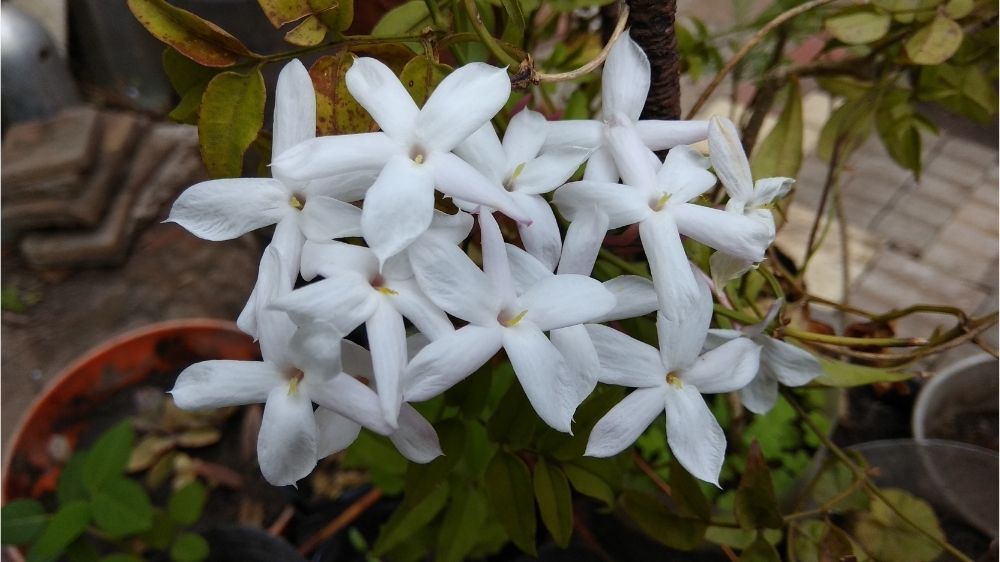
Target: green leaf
{"points": [[830, 486], [857, 26], [889, 538], [107, 459], [508, 487], [780, 153], [687, 492], [756, 506], [661, 524], [555, 501], [905, 11], [460, 528], [422, 479], [184, 73], [514, 421], [336, 110], [378, 456], [409, 518], [64, 527], [850, 124], [934, 43], [122, 508], [845, 86], [21, 521], [232, 113], [337, 15], [958, 9], [189, 547], [161, 532], [199, 40], [589, 484], [403, 19], [82, 550], [185, 505], [760, 551], [513, 33], [121, 557], [843, 375], [420, 76]]}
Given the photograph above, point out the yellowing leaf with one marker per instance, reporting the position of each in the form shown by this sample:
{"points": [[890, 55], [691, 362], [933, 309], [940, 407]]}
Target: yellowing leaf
{"points": [[780, 153], [958, 9], [280, 12], [420, 76], [336, 110], [199, 40], [840, 374], [887, 537], [857, 26], [232, 113], [934, 43], [308, 33]]}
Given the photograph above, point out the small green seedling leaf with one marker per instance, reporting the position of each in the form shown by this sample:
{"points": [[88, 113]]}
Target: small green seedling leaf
{"points": [[186, 504], [189, 547], [21, 521], [107, 459], [63, 528], [122, 508]]}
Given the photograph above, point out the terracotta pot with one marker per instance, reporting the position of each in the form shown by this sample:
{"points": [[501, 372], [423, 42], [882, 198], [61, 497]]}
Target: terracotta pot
{"points": [[54, 423]]}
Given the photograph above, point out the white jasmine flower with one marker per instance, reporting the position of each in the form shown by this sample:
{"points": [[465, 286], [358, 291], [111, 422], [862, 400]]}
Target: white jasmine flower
{"points": [[413, 151], [671, 379], [500, 317], [779, 362], [658, 199], [745, 197]]}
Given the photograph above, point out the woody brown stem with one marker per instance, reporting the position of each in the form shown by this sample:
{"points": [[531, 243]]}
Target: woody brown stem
{"points": [[652, 27]]}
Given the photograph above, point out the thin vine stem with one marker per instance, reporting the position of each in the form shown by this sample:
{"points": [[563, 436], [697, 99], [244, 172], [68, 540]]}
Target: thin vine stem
{"points": [[860, 474], [592, 64], [484, 35], [348, 41], [753, 42]]}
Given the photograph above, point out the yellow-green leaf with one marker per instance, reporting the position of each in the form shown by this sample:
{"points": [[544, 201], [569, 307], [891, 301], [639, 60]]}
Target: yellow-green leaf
{"points": [[889, 538], [336, 110], [934, 43], [335, 14], [780, 153], [280, 12], [958, 9], [840, 374], [857, 26], [508, 487], [199, 40], [403, 19], [308, 33], [232, 113], [149, 449], [554, 501], [420, 76], [906, 11], [589, 483]]}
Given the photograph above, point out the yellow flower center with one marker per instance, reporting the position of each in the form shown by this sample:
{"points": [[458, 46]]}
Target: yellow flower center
{"points": [[674, 380], [295, 202], [511, 322], [294, 378], [661, 201]]}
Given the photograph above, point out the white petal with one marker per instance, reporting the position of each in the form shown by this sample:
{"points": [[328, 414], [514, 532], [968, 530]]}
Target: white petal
{"points": [[294, 108], [580, 133], [378, 90], [718, 336], [759, 328], [316, 348], [452, 228], [271, 281], [725, 268], [626, 361], [525, 269], [523, 139], [791, 365], [623, 204], [331, 258], [661, 135], [225, 209], [563, 300], [450, 279], [729, 367], [387, 339], [495, 264], [574, 343], [693, 433], [681, 327], [325, 218], [766, 190], [286, 444], [332, 155], [448, 360], [357, 360], [216, 384], [465, 100], [584, 238], [541, 238], [539, 367], [625, 79], [684, 174], [631, 156], [485, 153], [672, 278], [344, 301], [729, 159], [736, 235], [411, 302], [415, 439], [634, 297], [351, 398], [334, 432], [601, 167], [274, 328], [624, 423], [550, 170], [456, 178], [398, 208], [761, 394], [350, 186]]}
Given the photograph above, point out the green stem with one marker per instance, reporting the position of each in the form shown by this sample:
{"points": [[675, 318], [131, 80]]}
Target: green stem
{"points": [[488, 40], [736, 315], [624, 265], [852, 342], [348, 41], [772, 281], [860, 474], [436, 15]]}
